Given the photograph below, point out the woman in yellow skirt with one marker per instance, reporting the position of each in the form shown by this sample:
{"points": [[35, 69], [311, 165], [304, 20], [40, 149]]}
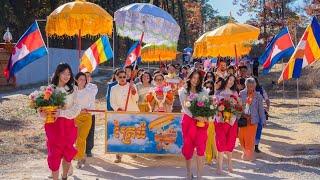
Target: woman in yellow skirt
{"points": [[211, 149], [84, 119]]}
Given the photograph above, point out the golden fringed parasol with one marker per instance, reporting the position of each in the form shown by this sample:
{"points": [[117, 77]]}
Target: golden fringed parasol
{"points": [[70, 18], [79, 18], [232, 39], [155, 53]]}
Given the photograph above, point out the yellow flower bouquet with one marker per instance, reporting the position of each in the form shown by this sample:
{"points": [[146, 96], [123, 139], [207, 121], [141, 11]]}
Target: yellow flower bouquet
{"points": [[47, 100]]}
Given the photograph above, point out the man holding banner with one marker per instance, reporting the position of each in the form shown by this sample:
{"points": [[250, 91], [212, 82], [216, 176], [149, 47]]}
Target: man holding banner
{"points": [[118, 98]]}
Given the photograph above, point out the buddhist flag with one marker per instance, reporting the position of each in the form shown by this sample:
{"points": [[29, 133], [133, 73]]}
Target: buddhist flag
{"points": [[306, 52], [97, 53]]}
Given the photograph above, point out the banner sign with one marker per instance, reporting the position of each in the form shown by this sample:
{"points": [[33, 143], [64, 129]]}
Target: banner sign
{"points": [[146, 133]]}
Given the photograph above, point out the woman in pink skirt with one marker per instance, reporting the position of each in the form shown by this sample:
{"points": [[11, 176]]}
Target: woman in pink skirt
{"points": [[62, 134], [226, 132], [193, 136]]}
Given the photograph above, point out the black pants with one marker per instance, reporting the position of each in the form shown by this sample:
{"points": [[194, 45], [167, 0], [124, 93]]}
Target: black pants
{"points": [[90, 138]]}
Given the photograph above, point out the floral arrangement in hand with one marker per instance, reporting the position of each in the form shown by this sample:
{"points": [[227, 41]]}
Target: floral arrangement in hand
{"points": [[47, 100], [228, 107], [201, 107], [164, 92]]}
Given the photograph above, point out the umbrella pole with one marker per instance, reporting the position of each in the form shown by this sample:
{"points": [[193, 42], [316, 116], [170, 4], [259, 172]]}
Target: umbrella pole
{"points": [[113, 36], [236, 56], [79, 41], [48, 60]]}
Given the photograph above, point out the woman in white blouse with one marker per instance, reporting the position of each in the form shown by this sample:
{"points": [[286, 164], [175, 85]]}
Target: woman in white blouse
{"points": [[62, 134], [84, 120]]}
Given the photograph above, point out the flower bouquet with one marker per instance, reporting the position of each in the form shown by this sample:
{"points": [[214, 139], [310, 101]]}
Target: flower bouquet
{"points": [[201, 107], [228, 107], [48, 101], [162, 91]]}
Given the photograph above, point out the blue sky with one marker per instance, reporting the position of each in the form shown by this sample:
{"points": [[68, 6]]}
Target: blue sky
{"points": [[225, 7]]}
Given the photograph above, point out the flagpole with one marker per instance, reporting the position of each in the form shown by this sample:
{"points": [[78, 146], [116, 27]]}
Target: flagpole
{"points": [[283, 93], [132, 74], [298, 95], [113, 36], [48, 57]]}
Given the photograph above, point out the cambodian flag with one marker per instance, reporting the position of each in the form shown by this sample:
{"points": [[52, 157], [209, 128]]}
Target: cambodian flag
{"points": [[134, 53], [280, 47], [29, 48]]}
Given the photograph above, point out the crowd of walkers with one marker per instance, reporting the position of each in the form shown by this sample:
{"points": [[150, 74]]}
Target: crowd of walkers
{"points": [[164, 89]]}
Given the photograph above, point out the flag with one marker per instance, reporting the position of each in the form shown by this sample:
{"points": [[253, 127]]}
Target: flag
{"points": [[97, 53], [281, 46], [134, 53], [29, 48], [306, 52]]}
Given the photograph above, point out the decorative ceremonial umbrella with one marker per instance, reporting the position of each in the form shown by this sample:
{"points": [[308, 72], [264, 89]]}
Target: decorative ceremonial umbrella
{"points": [[159, 26], [79, 18], [231, 39], [153, 53]]}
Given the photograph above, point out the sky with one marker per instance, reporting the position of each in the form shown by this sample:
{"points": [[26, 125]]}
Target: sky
{"points": [[225, 7]]}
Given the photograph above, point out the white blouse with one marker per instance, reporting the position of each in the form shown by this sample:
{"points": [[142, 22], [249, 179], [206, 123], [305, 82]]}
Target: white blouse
{"points": [[183, 95], [71, 109], [86, 97]]}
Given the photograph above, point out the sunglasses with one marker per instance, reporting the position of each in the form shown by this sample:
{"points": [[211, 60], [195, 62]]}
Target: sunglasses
{"points": [[122, 77]]}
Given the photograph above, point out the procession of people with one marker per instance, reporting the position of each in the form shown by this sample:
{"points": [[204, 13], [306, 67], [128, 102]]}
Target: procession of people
{"points": [[141, 90]]}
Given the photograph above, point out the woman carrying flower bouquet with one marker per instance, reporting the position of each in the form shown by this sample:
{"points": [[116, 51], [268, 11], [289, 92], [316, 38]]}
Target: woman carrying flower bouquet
{"points": [[253, 114], [226, 127], [144, 87], [193, 135], [160, 98], [84, 119], [62, 133]]}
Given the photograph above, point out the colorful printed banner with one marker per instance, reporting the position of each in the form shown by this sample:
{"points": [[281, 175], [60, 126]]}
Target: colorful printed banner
{"points": [[146, 133]]}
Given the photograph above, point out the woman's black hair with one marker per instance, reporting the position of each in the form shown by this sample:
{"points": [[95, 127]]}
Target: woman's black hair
{"points": [[130, 67], [120, 71], [55, 79], [149, 74], [225, 82], [158, 74], [140, 71], [172, 65], [220, 79], [184, 67], [231, 67], [78, 76], [211, 92], [206, 76], [199, 85]]}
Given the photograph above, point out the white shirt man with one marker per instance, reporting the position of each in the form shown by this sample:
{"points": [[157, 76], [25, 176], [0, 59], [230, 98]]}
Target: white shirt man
{"points": [[119, 93]]}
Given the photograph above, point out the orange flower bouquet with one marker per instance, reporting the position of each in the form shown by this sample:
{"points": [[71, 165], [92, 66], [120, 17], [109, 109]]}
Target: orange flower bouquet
{"points": [[48, 101]]}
